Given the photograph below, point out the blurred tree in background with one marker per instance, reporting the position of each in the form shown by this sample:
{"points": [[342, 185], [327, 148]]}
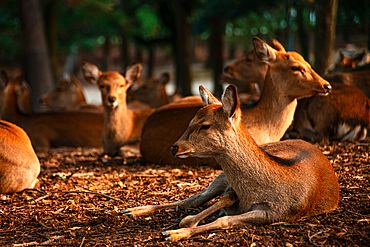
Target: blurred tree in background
{"points": [[115, 33]]}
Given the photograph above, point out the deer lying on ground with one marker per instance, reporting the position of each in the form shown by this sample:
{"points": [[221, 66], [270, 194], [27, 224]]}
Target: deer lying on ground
{"points": [[67, 95], [19, 165], [72, 129], [121, 125], [343, 115], [152, 92], [23, 95], [288, 78], [281, 181], [267, 122]]}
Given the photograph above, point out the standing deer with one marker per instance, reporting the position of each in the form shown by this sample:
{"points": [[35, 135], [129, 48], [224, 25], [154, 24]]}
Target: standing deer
{"points": [[72, 129], [19, 165], [121, 125], [281, 181], [288, 78]]}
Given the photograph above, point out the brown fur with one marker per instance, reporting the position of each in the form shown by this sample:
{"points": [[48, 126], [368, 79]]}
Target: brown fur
{"points": [[67, 94], [280, 181], [73, 129], [121, 125], [19, 165], [267, 121]]}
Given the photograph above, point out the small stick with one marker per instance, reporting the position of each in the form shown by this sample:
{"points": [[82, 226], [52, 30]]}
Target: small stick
{"points": [[82, 242]]}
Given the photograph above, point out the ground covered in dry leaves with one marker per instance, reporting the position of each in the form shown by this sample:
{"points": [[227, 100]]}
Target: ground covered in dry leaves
{"points": [[83, 194]]}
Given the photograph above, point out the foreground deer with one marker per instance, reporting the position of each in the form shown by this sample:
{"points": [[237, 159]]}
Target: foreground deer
{"points": [[280, 181], [73, 129], [121, 125], [288, 78], [19, 165]]}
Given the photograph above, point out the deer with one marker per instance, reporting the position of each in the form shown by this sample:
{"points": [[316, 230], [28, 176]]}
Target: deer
{"points": [[288, 78], [279, 181], [342, 115], [54, 129], [67, 95], [19, 165], [122, 125], [266, 122], [24, 104], [152, 92]]}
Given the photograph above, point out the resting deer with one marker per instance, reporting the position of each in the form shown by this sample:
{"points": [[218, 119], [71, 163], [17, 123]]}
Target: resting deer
{"points": [[267, 122], [19, 165], [73, 129], [342, 115], [152, 92], [288, 78], [281, 181], [67, 95], [23, 94], [121, 125]]}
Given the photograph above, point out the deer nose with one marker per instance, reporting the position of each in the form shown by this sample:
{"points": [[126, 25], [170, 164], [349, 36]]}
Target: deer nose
{"points": [[327, 88], [226, 69], [111, 99], [174, 149]]}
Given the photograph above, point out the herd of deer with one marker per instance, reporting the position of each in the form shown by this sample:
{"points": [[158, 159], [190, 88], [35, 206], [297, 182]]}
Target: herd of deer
{"points": [[264, 180]]}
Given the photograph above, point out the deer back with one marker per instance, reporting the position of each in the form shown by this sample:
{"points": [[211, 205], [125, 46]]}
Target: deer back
{"points": [[73, 129], [19, 165]]}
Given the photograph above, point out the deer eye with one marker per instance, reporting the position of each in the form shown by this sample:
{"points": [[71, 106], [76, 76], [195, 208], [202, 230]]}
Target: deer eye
{"points": [[296, 68], [205, 127]]}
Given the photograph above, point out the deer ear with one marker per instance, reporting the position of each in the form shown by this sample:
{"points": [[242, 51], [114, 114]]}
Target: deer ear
{"points": [[207, 97], [264, 52], [277, 45], [4, 78], [133, 72], [230, 103], [164, 78], [90, 72]]}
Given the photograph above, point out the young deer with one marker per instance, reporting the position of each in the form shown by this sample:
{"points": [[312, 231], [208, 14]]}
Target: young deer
{"points": [[73, 129], [281, 181], [288, 78], [67, 94], [19, 165], [121, 125]]}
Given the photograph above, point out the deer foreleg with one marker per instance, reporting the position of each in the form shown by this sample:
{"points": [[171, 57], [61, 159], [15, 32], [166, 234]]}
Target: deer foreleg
{"points": [[227, 200], [216, 188]]}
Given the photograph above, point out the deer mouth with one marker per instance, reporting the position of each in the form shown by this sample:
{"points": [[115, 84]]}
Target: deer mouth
{"points": [[184, 155]]}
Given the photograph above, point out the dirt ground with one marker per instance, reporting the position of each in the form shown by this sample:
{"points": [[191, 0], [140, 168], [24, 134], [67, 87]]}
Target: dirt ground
{"points": [[83, 194]]}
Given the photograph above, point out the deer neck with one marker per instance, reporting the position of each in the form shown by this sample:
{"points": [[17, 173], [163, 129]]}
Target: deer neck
{"points": [[118, 120], [269, 120], [245, 164], [10, 109]]}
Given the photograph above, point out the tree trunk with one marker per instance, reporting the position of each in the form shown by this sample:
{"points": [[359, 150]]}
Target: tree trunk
{"points": [[52, 35], [302, 32], [151, 58], [325, 33], [37, 64], [182, 47], [215, 55]]}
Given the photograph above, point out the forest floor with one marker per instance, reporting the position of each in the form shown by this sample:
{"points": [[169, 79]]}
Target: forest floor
{"points": [[83, 194]]}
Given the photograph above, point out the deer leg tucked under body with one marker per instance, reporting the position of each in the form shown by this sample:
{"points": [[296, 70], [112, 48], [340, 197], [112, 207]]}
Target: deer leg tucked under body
{"points": [[259, 216], [216, 188], [227, 200]]}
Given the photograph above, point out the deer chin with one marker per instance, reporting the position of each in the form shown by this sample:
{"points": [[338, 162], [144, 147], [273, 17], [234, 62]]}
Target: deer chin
{"points": [[112, 105], [322, 94]]}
